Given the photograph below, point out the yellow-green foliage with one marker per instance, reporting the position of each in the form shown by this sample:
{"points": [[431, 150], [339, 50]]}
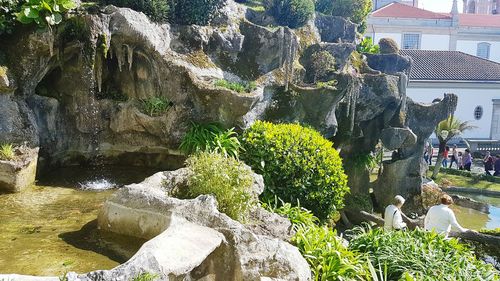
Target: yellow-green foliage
{"points": [[224, 177], [3, 70], [298, 164], [328, 257], [7, 152]]}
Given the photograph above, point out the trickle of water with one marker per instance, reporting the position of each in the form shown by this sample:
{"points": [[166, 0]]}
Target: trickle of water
{"points": [[97, 185]]}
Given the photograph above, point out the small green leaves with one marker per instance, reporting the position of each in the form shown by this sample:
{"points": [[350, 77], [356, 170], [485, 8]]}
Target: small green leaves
{"points": [[44, 12]]}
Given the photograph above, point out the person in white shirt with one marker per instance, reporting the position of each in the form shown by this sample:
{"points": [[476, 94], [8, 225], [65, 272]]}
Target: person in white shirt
{"points": [[393, 220], [441, 218]]}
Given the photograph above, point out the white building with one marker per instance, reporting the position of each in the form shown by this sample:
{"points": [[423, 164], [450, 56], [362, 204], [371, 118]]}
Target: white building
{"points": [[414, 28], [474, 80], [486, 7]]}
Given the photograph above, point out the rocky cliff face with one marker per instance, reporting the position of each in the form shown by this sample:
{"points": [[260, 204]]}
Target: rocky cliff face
{"points": [[75, 91]]}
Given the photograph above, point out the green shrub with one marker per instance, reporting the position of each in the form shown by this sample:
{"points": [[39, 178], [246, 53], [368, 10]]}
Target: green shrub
{"points": [[44, 12], [7, 152], [200, 12], [355, 10], [156, 10], [156, 106], [224, 177], [367, 46], [323, 64], [421, 254], [211, 138], [145, 276], [327, 256], [494, 232], [7, 16], [237, 86], [291, 13], [297, 164], [297, 215], [388, 46]]}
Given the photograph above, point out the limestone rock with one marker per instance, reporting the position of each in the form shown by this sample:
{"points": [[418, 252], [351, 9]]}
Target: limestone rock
{"points": [[335, 29], [19, 173], [395, 138], [389, 63], [145, 210]]}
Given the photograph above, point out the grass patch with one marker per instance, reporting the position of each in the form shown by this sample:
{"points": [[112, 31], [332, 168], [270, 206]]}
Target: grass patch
{"points": [[7, 152], [199, 59], [156, 106], [447, 180], [145, 276], [240, 87], [210, 138]]}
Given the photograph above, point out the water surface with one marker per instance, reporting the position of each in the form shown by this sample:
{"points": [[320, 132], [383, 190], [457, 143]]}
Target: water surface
{"points": [[473, 219], [51, 228]]}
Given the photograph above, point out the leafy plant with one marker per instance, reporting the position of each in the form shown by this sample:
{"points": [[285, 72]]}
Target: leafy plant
{"points": [[327, 255], [297, 215], [420, 255], [44, 12], [7, 16], [3, 70], [200, 12], [291, 13], [367, 46], [227, 178], [156, 106], [236, 86], [445, 131], [7, 152], [145, 276], [297, 164], [212, 138]]}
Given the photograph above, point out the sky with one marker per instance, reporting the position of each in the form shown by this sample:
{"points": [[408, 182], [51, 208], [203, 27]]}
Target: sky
{"points": [[439, 5]]}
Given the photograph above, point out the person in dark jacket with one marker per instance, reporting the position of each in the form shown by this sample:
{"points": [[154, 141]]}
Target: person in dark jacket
{"points": [[497, 166]]}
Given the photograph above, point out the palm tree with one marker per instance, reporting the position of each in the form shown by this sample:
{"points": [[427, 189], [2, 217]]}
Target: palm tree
{"points": [[445, 131]]}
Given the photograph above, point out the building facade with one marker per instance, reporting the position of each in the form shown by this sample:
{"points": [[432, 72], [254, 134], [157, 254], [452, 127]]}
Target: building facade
{"points": [[475, 81], [485, 7], [414, 28]]}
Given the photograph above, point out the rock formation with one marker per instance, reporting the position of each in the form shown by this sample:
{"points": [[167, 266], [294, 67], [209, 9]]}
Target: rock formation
{"points": [[78, 90]]}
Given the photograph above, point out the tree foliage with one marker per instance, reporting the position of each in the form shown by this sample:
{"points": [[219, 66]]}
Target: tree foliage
{"points": [[355, 10], [291, 13]]}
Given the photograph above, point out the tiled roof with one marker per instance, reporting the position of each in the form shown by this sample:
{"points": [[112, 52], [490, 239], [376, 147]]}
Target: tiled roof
{"points": [[398, 10], [479, 20], [451, 66]]}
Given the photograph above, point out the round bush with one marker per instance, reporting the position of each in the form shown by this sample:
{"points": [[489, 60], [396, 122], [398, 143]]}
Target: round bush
{"points": [[388, 46], [227, 178], [297, 164], [291, 13], [200, 12]]}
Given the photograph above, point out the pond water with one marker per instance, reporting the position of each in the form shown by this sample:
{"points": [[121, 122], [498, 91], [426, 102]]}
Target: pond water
{"points": [[51, 228], [473, 219]]}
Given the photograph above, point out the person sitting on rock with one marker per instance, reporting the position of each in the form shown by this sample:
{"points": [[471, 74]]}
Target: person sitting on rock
{"points": [[393, 219], [440, 218]]}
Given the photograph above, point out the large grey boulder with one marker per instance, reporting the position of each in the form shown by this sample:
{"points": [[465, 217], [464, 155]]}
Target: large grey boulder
{"points": [[145, 210], [395, 138]]}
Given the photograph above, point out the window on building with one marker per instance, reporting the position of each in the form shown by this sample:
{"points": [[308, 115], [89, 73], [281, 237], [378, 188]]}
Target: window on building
{"points": [[483, 50], [478, 112], [411, 41]]}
